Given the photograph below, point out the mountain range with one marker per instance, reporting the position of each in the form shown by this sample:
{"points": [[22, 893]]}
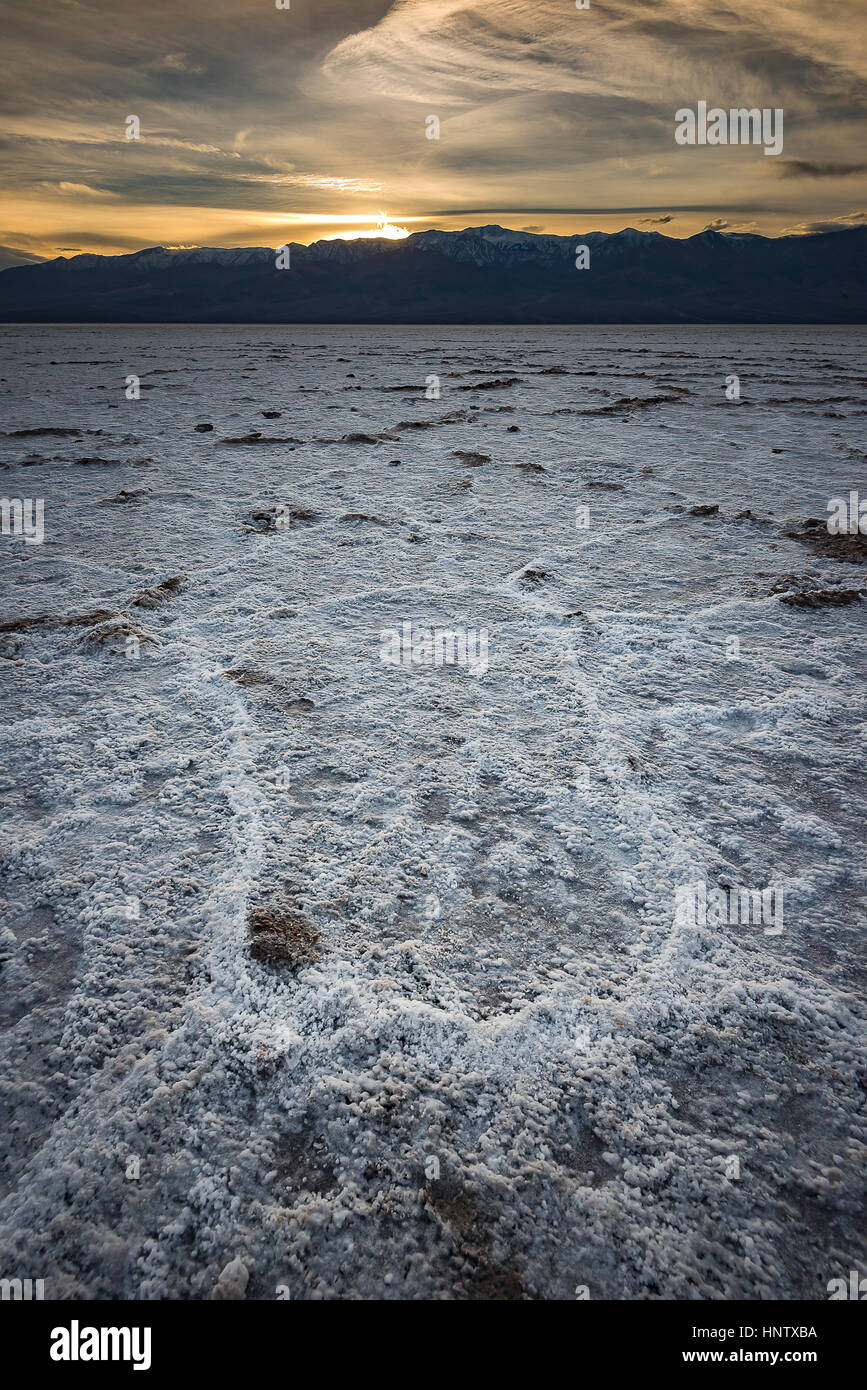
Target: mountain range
{"points": [[479, 275]]}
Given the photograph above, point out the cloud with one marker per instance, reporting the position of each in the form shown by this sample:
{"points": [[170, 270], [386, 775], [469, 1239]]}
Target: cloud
{"points": [[829, 169], [722, 224], [457, 52], [80, 190], [178, 62], [833, 224], [322, 108], [13, 255], [615, 210], [322, 181], [173, 143]]}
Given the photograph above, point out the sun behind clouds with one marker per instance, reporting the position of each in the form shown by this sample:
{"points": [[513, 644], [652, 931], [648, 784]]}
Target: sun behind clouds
{"points": [[383, 229]]}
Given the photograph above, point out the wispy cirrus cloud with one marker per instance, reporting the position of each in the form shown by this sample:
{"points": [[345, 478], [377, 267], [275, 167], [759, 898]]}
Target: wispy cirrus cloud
{"points": [[78, 190], [818, 169], [547, 114]]}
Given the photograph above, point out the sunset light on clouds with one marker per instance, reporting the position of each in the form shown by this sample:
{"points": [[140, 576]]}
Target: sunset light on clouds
{"points": [[255, 118]]}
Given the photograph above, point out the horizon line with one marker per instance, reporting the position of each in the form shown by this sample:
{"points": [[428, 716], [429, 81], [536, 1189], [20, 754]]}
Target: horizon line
{"points": [[32, 258]]}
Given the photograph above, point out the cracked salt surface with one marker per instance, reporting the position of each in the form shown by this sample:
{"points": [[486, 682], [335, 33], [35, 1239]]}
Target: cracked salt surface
{"points": [[509, 1072]]}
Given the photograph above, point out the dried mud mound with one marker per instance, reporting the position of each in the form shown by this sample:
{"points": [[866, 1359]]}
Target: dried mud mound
{"points": [[281, 937]]}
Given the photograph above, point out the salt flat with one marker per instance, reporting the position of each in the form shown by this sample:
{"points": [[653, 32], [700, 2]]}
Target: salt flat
{"points": [[510, 1071]]}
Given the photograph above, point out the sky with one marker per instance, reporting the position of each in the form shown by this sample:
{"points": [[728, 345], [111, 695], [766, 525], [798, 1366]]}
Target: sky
{"points": [[262, 125]]}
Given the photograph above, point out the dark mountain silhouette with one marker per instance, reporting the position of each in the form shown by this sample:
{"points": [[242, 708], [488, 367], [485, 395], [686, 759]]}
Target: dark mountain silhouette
{"points": [[480, 275]]}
